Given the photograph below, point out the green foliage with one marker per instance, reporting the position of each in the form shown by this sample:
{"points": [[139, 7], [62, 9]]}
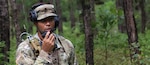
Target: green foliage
{"points": [[106, 16], [12, 52], [110, 46], [77, 38], [2, 45], [145, 47]]}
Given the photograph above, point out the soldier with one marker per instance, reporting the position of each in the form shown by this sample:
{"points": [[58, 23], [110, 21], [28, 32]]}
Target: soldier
{"points": [[45, 47]]}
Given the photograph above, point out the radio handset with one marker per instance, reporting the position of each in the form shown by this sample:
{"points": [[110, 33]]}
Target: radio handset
{"points": [[44, 33]]}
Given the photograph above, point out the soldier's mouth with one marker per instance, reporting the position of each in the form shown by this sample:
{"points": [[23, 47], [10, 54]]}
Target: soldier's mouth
{"points": [[49, 29]]}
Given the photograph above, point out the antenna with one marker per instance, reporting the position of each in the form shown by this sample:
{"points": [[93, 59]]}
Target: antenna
{"points": [[24, 28]]}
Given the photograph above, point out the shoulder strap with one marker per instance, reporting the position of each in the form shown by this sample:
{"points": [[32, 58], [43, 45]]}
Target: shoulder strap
{"points": [[67, 45], [33, 42]]}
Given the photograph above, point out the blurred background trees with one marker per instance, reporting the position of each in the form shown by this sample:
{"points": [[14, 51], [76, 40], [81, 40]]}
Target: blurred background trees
{"points": [[5, 35], [102, 31]]}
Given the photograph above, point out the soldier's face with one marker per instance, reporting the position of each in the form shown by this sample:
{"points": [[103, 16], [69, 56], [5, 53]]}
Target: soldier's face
{"points": [[45, 24]]}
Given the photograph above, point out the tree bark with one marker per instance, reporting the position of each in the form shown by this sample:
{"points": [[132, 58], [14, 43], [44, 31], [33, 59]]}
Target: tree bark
{"points": [[59, 12], [131, 30], [143, 15], [14, 19], [51, 2], [40, 0], [72, 12], [4, 29], [87, 19], [122, 25], [119, 4]]}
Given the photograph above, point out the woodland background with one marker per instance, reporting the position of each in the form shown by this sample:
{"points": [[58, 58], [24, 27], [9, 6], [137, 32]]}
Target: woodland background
{"points": [[104, 32]]}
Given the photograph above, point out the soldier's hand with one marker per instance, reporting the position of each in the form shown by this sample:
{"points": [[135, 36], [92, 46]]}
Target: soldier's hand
{"points": [[48, 42]]}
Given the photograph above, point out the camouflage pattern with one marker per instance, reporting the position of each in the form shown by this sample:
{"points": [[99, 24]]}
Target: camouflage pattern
{"points": [[62, 55], [44, 11]]}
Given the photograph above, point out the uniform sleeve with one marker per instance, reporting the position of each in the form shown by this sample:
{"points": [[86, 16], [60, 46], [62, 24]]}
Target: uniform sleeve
{"points": [[69, 49], [73, 59], [25, 56], [43, 59]]}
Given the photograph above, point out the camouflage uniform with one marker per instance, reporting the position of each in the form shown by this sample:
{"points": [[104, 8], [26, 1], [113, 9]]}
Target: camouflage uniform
{"points": [[62, 55]]}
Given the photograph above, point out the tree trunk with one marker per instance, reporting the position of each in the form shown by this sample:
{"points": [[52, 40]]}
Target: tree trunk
{"points": [[72, 12], [87, 19], [14, 19], [131, 30], [121, 25], [51, 2], [119, 4], [143, 15], [4, 30], [59, 12], [40, 0]]}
